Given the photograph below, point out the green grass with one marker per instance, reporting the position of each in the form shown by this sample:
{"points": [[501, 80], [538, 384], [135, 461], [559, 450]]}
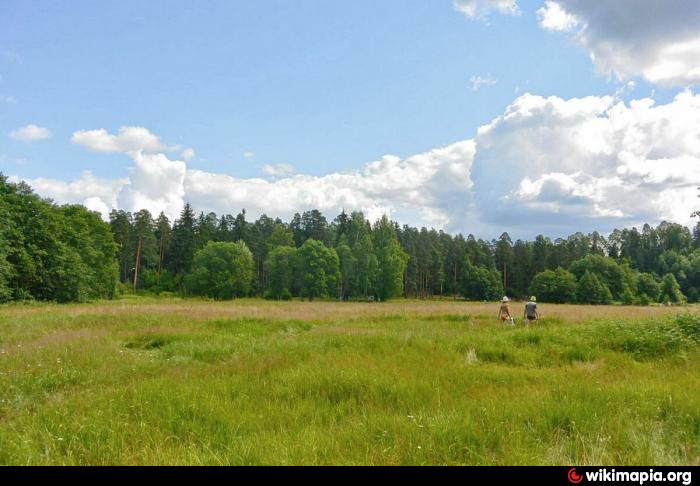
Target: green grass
{"points": [[107, 384]]}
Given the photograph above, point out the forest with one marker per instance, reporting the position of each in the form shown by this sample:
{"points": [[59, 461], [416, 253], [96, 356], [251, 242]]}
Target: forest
{"points": [[65, 253]]}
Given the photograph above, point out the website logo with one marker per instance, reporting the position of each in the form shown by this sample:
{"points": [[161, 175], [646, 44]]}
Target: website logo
{"points": [[574, 477]]}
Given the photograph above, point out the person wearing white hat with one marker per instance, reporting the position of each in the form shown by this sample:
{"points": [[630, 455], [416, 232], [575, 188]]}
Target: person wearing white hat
{"points": [[530, 312], [504, 311]]}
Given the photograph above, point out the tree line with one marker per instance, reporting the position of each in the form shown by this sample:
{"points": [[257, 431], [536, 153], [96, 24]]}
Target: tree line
{"points": [[49, 252], [67, 253]]}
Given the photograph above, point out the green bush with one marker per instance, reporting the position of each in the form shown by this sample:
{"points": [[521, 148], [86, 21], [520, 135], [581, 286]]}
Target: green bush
{"points": [[650, 338], [590, 290], [628, 297], [221, 270], [671, 291], [557, 286]]}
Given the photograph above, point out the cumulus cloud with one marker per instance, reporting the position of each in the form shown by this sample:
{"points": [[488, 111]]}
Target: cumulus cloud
{"points": [[479, 81], [591, 162], [156, 183], [129, 139], [425, 189], [553, 17], [546, 165], [656, 39], [30, 133], [94, 203], [480, 9], [95, 193]]}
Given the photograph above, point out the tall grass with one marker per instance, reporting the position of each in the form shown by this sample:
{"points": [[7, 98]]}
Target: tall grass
{"points": [[250, 382]]}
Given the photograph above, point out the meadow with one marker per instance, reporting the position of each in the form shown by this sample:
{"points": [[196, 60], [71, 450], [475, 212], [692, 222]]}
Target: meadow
{"points": [[170, 381]]}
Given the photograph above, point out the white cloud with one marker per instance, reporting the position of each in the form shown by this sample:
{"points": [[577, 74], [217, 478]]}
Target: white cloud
{"points": [[188, 154], [95, 193], [279, 170], [546, 165], [594, 162], [626, 89], [657, 39], [479, 81], [249, 155], [129, 139], [96, 204], [424, 189], [480, 9], [30, 133], [553, 17], [156, 183]]}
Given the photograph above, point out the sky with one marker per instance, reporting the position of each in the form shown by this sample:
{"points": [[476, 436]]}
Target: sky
{"points": [[472, 116]]}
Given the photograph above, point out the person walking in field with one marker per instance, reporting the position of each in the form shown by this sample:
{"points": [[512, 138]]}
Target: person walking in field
{"points": [[504, 312], [530, 312]]}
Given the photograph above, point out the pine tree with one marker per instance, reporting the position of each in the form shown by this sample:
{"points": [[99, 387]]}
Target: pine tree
{"points": [[391, 260], [183, 244], [120, 222], [281, 265], [145, 244], [163, 233]]}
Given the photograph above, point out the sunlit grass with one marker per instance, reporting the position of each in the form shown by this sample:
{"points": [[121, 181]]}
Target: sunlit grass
{"points": [[251, 382]]}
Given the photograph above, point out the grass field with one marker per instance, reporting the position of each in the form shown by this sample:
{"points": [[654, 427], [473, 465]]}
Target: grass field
{"points": [[151, 381]]}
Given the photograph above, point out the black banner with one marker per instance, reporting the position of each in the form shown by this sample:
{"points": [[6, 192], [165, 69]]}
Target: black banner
{"points": [[555, 475]]}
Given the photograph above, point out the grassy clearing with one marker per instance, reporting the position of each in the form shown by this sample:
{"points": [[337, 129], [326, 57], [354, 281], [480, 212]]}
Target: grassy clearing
{"points": [[253, 382]]}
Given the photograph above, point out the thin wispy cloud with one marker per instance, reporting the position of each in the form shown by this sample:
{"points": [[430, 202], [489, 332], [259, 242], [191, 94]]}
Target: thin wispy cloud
{"points": [[188, 154], [277, 171], [480, 9], [478, 81], [11, 56]]}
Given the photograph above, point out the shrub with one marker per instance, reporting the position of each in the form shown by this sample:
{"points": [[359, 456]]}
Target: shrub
{"points": [[221, 270], [557, 286], [628, 297], [590, 290], [648, 286], [671, 291]]}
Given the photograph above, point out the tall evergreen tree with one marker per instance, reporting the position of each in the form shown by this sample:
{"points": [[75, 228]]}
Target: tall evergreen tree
{"points": [[391, 260], [281, 265], [145, 245], [163, 234], [120, 222], [183, 243]]}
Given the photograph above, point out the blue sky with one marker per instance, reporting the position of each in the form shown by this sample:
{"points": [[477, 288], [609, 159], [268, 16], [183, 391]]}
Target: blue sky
{"points": [[323, 86]]}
